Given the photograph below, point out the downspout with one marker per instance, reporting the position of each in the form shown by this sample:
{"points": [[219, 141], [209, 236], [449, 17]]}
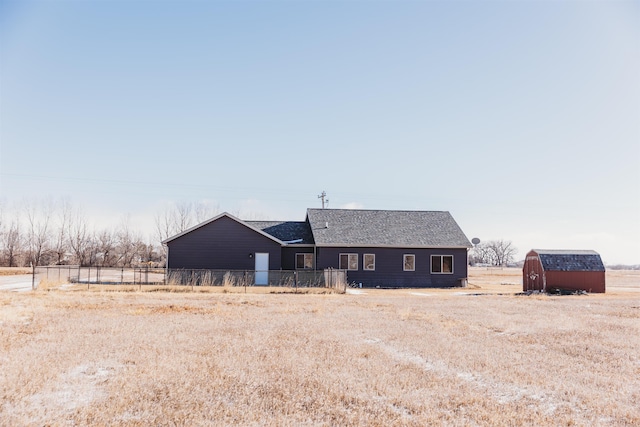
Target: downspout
{"points": [[315, 262], [166, 265]]}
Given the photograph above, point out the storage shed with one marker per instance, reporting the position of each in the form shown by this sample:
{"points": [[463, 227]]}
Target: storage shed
{"points": [[565, 270]]}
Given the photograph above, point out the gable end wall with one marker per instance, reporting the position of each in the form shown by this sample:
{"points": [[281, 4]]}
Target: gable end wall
{"points": [[223, 244]]}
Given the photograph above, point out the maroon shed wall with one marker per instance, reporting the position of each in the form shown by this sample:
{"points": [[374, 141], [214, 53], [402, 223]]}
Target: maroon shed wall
{"points": [[590, 281]]}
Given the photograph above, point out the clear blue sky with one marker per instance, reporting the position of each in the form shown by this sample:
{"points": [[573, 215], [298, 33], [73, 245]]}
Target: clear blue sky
{"points": [[521, 118]]}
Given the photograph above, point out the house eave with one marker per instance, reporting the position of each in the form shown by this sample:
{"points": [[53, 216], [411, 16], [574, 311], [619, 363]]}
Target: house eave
{"points": [[352, 245]]}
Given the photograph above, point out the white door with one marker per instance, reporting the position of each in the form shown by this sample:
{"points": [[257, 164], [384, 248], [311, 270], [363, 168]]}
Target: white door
{"points": [[262, 268]]}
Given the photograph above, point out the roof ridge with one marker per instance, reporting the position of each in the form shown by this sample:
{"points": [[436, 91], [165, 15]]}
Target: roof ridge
{"points": [[374, 210]]}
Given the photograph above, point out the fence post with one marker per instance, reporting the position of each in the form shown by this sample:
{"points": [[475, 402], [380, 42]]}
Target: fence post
{"points": [[295, 280], [33, 277]]}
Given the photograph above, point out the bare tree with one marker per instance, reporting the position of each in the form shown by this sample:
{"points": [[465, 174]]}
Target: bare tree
{"points": [[11, 239], [12, 244], [105, 245], [494, 252], [204, 211], [148, 254], [60, 244], [480, 254], [503, 252], [80, 239], [181, 216], [127, 243], [164, 226], [184, 216], [38, 221], [172, 221], [2, 222], [3, 232]]}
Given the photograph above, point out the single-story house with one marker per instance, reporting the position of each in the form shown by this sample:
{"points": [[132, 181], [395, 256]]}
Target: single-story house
{"points": [[376, 247], [565, 270]]}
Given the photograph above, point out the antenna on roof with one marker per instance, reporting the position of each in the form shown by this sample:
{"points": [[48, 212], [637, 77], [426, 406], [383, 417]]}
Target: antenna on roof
{"points": [[324, 201]]}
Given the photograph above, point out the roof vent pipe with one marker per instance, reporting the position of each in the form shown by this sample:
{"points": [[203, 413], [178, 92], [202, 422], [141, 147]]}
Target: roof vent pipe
{"points": [[326, 224]]}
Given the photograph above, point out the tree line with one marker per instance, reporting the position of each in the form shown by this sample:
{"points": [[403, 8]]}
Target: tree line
{"points": [[494, 252], [56, 232]]}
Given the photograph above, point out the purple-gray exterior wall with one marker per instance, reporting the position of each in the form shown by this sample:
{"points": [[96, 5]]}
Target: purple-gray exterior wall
{"points": [[222, 244], [289, 255], [225, 244], [389, 266]]}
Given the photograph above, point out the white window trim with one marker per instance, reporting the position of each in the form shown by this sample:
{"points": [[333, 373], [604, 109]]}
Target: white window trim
{"points": [[364, 265], [442, 264], [349, 255], [306, 254], [404, 262]]}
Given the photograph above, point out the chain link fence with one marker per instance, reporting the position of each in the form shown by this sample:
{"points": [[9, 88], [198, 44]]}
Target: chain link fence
{"points": [[330, 278], [102, 275]]}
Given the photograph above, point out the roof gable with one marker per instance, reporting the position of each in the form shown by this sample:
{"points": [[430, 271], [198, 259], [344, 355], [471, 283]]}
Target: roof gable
{"points": [[347, 227], [570, 260], [217, 217]]}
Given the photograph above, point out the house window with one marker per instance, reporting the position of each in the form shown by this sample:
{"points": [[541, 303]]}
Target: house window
{"points": [[409, 261], [369, 262], [304, 261], [348, 261], [441, 264]]}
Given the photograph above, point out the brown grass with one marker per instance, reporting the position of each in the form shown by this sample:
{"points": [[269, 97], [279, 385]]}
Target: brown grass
{"points": [[406, 357], [12, 271]]}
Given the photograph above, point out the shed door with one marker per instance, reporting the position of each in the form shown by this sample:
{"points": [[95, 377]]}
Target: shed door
{"points": [[533, 275], [262, 268]]}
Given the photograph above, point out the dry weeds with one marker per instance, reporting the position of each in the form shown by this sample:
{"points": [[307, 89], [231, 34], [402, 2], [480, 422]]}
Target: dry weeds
{"points": [[12, 271], [409, 357]]}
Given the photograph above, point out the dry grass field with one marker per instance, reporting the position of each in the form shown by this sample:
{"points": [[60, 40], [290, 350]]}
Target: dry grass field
{"points": [[475, 356]]}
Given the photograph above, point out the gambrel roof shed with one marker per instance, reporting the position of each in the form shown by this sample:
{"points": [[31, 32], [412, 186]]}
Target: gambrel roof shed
{"points": [[381, 228], [573, 270], [570, 260]]}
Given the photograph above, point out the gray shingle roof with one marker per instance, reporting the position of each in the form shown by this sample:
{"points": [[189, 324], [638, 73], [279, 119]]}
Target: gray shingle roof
{"points": [[570, 260], [346, 227], [286, 231]]}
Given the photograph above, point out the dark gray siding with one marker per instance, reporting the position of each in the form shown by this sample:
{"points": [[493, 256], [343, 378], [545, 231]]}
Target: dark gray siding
{"points": [[389, 267], [222, 244], [289, 255]]}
